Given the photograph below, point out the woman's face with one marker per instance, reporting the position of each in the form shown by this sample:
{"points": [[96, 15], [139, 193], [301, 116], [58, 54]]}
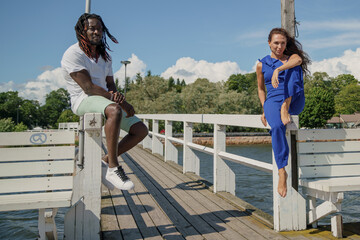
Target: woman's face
{"points": [[278, 44]]}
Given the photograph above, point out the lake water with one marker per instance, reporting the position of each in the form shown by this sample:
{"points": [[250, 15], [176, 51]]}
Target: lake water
{"points": [[253, 186]]}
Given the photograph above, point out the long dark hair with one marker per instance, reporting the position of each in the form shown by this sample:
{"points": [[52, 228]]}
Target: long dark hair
{"points": [[292, 47], [80, 29]]}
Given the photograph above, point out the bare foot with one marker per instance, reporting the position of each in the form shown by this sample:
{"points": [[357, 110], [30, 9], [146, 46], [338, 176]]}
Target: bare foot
{"points": [[284, 113], [282, 188]]}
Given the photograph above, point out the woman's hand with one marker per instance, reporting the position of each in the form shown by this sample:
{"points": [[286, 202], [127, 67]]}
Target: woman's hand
{"points": [[263, 119], [274, 78]]}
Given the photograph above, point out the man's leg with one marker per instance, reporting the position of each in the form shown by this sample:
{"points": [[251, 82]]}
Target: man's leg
{"points": [[137, 133], [112, 130]]}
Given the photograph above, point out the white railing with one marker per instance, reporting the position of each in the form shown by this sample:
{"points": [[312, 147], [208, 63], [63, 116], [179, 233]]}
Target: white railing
{"points": [[69, 126], [285, 209]]}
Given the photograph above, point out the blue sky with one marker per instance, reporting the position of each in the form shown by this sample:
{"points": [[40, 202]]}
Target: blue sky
{"points": [[185, 39]]}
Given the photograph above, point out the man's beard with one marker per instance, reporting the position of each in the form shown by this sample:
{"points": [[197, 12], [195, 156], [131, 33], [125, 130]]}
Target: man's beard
{"points": [[95, 43]]}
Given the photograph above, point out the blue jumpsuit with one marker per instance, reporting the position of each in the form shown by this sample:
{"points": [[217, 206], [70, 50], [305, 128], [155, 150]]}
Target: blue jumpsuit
{"points": [[290, 84]]}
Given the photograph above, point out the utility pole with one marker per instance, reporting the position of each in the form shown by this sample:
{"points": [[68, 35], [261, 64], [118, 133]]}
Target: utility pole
{"points": [[87, 6], [288, 16]]}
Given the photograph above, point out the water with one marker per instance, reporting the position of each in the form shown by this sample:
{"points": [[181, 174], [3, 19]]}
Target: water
{"points": [[23, 225], [253, 186]]}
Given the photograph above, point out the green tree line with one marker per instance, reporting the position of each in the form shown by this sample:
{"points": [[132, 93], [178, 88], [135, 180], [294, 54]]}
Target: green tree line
{"points": [[325, 97]]}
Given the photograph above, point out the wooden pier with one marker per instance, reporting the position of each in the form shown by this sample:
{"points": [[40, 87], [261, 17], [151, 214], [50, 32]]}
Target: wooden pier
{"points": [[167, 204]]}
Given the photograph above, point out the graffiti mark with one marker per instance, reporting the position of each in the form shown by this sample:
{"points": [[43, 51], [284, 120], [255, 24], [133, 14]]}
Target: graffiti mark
{"points": [[38, 138]]}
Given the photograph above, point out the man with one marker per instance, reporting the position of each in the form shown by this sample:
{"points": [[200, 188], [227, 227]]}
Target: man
{"points": [[87, 69]]}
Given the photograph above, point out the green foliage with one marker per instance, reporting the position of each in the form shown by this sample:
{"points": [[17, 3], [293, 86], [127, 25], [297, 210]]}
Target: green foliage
{"points": [[6, 125], [242, 83], [20, 127], [55, 103], [348, 99], [319, 107], [68, 116]]}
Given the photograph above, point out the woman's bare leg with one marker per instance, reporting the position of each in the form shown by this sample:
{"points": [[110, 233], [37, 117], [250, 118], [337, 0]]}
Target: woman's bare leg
{"points": [[284, 112], [282, 188]]}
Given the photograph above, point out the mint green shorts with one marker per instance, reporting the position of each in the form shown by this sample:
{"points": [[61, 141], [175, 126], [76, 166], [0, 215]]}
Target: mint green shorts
{"points": [[98, 104]]}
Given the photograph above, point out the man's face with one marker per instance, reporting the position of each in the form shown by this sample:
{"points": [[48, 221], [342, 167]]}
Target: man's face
{"points": [[94, 32]]}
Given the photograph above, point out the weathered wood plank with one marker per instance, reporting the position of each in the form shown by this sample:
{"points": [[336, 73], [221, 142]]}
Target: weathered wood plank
{"points": [[153, 210], [36, 138], [329, 171], [327, 134], [109, 225], [328, 147], [171, 213], [215, 218], [248, 223], [38, 153], [204, 227], [35, 184], [35, 201], [36, 168], [328, 159]]}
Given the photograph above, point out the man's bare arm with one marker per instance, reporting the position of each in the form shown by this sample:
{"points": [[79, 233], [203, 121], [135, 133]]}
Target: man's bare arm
{"points": [[84, 80]]}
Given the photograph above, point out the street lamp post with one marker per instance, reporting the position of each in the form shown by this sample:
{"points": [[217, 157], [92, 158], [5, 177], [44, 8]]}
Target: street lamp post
{"points": [[17, 114], [125, 63]]}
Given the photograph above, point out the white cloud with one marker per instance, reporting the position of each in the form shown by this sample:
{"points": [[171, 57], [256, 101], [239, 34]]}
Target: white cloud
{"points": [[189, 69], [37, 89], [348, 63], [46, 82], [136, 66]]}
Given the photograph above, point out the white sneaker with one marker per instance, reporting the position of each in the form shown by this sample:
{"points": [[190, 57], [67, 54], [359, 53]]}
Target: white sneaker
{"points": [[104, 169], [118, 178]]}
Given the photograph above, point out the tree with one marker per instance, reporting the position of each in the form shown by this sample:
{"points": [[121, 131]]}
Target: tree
{"points": [[7, 125], [242, 83], [348, 100], [319, 107], [10, 104], [56, 101], [171, 83], [200, 96], [341, 81], [68, 116]]}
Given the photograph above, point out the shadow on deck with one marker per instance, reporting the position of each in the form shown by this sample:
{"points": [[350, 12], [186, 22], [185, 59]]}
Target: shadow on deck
{"points": [[167, 204]]}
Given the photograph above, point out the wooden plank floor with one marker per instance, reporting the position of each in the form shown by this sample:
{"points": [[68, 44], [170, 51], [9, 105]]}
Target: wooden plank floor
{"points": [[167, 204]]}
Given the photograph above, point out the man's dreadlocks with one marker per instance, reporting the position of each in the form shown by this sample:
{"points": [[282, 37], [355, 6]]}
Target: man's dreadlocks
{"points": [[80, 29]]}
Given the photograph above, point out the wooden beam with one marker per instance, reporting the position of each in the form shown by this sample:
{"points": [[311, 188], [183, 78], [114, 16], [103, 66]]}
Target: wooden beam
{"points": [[288, 16]]}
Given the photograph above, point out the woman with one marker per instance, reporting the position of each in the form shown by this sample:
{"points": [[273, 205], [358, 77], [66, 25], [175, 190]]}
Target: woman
{"points": [[282, 74]]}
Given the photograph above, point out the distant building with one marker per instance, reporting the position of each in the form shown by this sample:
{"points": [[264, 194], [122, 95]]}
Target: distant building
{"points": [[344, 121]]}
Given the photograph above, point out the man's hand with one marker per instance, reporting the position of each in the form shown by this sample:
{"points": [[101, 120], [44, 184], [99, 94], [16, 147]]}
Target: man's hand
{"points": [[128, 108], [263, 119], [274, 78], [118, 97]]}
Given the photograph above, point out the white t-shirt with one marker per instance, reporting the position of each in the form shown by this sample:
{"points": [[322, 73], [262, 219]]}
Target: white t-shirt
{"points": [[74, 60]]}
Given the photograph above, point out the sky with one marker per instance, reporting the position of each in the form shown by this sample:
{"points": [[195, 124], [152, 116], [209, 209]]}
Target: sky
{"points": [[184, 39]]}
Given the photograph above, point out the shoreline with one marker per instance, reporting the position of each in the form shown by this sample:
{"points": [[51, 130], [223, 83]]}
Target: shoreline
{"points": [[231, 140]]}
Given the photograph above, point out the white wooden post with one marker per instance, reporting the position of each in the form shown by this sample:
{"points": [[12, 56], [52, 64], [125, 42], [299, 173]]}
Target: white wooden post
{"points": [[157, 146], [191, 162], [147, 140], [92, 177], [289, 212], [224, 177], [46, 225], [171, 152]]}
